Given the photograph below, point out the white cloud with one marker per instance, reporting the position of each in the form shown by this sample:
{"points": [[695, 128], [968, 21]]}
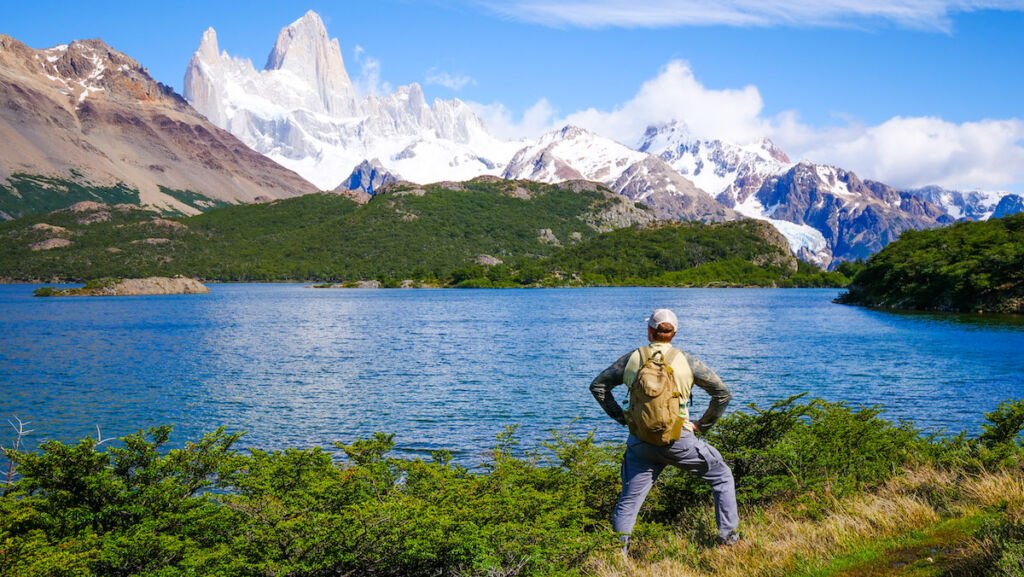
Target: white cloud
{"points": [[501, 122], [454, 82], [909, 152], [923, 14], [368, 81], [676, 94]]}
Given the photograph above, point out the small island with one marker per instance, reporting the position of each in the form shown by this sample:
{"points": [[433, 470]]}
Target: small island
{"points": [[129, 287]]}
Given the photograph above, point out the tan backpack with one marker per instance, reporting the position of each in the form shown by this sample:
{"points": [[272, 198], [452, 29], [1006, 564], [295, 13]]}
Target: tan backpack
{"points": [[654, 399]]}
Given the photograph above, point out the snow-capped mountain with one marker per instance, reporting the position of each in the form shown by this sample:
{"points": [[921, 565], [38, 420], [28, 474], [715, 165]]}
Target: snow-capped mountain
{"points": [[369, 177], [727, 171], [573, 153], [855, 218], [87, 114], [961, 204], [1009, 205], [303, 111]]}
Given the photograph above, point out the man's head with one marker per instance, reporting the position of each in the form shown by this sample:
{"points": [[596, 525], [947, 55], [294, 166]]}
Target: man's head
{"points": [[662, 326]]}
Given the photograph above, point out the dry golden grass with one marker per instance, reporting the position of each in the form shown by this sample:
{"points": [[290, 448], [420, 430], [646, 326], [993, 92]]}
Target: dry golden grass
{"points": [[777, 541]]}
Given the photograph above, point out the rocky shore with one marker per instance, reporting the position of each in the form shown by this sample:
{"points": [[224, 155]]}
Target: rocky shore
{"points": [[130, 287]]}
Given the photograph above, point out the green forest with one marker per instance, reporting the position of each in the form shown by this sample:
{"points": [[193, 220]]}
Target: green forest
{"points": [[967, 267], [483, 233]]}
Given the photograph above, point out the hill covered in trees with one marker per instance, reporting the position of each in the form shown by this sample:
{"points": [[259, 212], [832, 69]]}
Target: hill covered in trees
{"points": [[483, 233], [967, 267]]}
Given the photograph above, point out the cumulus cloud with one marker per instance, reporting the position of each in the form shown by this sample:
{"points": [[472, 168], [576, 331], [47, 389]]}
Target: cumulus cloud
{"points": [[922, 14], [909, 152], [368, 81], [453, 82], [503, 123], [676, 94]]}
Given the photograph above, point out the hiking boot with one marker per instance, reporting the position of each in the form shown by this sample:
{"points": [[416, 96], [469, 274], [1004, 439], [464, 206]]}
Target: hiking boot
{"points": [[732, 539]]}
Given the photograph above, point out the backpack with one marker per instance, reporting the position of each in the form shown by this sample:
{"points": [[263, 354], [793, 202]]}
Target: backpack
{"points": [[654, 399]]}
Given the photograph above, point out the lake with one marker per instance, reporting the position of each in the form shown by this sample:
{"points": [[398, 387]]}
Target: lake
{"points": [[296, 367]]}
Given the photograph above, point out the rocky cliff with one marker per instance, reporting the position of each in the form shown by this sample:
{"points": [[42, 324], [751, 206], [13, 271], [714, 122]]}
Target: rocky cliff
{"points": [[88, 114]]}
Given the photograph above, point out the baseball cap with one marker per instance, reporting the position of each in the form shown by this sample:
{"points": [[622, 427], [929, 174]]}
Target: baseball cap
{"points": [[663, 316]]}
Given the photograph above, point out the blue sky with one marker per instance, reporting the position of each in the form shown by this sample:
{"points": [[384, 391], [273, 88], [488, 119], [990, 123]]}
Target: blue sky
{"points": [[907, 91]]}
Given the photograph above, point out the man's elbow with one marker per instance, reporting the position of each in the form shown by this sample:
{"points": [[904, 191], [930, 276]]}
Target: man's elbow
{"points": [[724, 397]]}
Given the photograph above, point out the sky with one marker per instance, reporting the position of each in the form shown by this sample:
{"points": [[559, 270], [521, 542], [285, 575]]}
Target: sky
{"points": [[908, 92]]}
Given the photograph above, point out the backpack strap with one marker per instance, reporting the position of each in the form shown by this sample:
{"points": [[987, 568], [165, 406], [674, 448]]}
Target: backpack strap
{"points": [[645, 355], [673, 354]]}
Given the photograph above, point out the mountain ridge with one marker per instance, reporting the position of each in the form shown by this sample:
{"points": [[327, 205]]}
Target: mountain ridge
{"points": [[89, 115]]}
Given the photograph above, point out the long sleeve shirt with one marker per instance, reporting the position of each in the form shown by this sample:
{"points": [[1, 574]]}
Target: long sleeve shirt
{"points": [[705, 378]]}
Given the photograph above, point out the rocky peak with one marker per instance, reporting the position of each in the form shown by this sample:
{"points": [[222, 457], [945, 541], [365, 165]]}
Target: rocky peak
{"points": [[304, 49], [1009, 205], [774, 151], [86, 69], [208, 50], [370, 177]]}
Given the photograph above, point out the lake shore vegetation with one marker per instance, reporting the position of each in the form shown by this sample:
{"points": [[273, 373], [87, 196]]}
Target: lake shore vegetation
{"points": [[968, 267], [825, 489]]}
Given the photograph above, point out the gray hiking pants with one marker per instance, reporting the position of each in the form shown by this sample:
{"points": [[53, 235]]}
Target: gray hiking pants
{"points": [[643, 463]]}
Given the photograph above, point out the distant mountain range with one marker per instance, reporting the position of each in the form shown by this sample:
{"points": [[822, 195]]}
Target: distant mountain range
{"points": [[84, 122]]}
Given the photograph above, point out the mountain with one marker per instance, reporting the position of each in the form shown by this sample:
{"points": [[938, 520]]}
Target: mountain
{"points": [[303, 111], [1009, 205], [729, 172], [85, 122], [855, 218], [572, 152], [369, 178], [961, 205]]}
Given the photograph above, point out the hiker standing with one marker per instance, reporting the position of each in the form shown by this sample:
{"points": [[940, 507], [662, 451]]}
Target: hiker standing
{"points": [[659, 378]]}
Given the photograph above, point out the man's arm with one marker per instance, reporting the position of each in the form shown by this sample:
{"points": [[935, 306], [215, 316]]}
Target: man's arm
{"points": [[602, 386], [706, 379]]}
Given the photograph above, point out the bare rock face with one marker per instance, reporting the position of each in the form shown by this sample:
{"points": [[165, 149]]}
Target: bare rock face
{"points": [[857, 218], [653, 182], [369, 178], [87, 113], [94, 217], [159, 286], [617, 211], [303, 49], [784, 258], [169, 225], [86, 206], [488, 260], [50, 244], [48, 229], [547, 236]]}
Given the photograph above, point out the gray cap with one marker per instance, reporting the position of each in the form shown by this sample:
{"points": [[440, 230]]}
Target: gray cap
{"points": [[660, 316]]}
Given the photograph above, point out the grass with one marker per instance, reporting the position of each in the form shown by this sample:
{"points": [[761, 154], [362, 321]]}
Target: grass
{"points": [[919, 524]]}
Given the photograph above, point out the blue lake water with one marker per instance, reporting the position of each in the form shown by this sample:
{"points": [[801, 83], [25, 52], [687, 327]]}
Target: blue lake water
{"points": [[296, 367]]}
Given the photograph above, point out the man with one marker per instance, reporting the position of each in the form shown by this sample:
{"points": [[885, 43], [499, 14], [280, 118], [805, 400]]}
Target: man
{"points": [[644, 461]]}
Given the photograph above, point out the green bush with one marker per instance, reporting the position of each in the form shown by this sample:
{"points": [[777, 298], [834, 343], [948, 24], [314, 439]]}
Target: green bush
{"points": [[136, 507]]}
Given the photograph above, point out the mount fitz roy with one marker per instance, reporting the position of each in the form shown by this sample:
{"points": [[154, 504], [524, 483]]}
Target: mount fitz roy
{"points": [[303, 111]]}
